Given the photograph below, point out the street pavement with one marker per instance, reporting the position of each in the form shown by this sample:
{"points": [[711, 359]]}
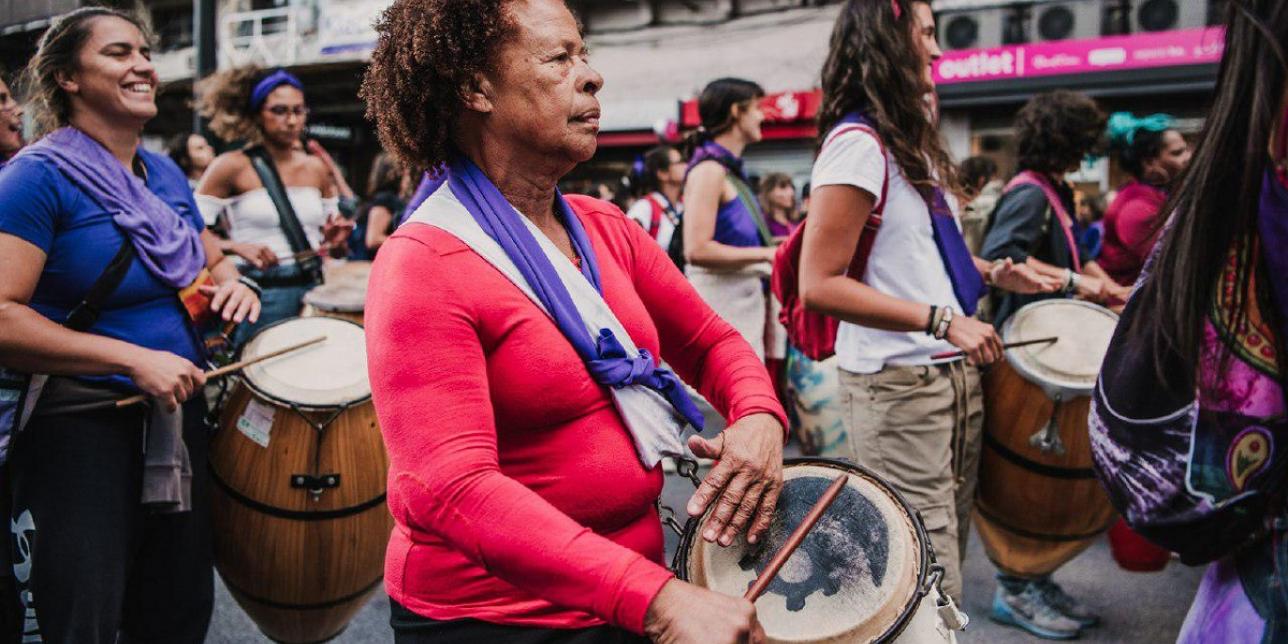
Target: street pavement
{"points": [[1135, 607]]}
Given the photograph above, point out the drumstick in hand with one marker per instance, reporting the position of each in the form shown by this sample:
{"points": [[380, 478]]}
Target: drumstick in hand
{"points": [[227, 369], [1009, 345], [794, 541]]}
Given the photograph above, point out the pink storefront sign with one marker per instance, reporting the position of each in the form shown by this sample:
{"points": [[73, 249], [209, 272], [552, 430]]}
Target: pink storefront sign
{"points": [[1113, 53]]}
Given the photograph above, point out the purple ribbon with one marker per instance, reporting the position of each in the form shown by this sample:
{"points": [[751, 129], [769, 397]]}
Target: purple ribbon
{"points": [[605, 358], [968, 285], [169, 247], [271, 82], [429, 184]]}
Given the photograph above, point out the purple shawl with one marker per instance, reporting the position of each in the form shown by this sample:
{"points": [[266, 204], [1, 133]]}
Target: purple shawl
{"points": [[166, 245], [604, 355]]}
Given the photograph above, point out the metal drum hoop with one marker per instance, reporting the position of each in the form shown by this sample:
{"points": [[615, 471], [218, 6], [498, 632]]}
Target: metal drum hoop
{"points": [[929, 572], [338, 408], [1055, 390]]}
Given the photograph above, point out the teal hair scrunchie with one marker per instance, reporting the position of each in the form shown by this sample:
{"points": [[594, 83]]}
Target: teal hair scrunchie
{"points": [[1123, 126]]}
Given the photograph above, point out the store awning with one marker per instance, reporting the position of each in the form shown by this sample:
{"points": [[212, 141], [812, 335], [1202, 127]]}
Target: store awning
{"points": [[648, 73]]}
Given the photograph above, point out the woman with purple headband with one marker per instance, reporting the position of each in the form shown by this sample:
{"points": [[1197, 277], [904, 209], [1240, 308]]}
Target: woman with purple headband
{"points": [[268, 110], [110, 512]]}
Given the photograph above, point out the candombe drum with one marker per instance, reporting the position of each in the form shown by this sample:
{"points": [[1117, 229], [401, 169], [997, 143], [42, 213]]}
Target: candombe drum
{"points": [[342, 300], [343, 293], [864, 573], [1038, 503], [300, 523]]}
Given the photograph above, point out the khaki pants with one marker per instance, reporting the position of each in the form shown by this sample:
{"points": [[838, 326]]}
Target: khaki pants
{"points": [[920, 428]]}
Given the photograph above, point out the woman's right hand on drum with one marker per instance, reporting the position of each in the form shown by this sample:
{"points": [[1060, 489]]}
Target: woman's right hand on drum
{"points": [[978, 339], [166, 377], [259, 255], [682, 613]]}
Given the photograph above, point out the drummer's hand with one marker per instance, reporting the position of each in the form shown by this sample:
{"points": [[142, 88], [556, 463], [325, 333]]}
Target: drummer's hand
{"points": [[336, 230], [747, 479], [683, 613], [1093, 289], [1022, 278], [259, 255], [978, 339], [165, 376], [233, 301]]}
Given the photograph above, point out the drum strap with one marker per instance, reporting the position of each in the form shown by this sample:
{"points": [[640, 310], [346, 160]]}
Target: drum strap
{"points": [[291, 228]]}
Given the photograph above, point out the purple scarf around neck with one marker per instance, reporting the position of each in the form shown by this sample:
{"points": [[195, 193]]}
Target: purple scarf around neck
{"points": [[968, 285], [1272, 224], [604, 355], [168, 246]]}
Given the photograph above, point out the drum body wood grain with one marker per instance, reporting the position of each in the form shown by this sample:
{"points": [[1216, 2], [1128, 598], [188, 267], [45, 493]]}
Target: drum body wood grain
{"points": [[1038, 503], [299, 467], [864, 573]]}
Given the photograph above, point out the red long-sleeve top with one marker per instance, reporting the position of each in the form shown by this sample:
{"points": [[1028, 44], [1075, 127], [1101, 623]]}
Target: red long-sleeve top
{"points": [[515, 488], [1131, 230]]}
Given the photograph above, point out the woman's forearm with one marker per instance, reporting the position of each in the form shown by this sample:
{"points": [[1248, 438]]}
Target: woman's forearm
{"points": [[33, 343], [713, 254], [848, 299]]}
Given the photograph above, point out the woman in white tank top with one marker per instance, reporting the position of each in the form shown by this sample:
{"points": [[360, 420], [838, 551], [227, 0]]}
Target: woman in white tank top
{"points": [[269, 110]]}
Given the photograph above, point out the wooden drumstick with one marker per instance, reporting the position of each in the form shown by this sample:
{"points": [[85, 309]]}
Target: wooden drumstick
{"points": [[1009, 345], [227, 369], [794, 541]]}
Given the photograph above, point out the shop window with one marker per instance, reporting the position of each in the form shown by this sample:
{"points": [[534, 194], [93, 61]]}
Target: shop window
{"points": [[1116, 19], [1015, 25]]}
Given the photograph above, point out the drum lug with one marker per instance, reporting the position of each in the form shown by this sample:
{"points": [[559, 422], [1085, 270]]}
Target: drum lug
{"points": [[949, 615], [315, 484], [1048, 439], [688, 468], [668, 518]]}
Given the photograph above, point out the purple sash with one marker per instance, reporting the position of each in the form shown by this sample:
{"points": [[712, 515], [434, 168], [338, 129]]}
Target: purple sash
{"points": [[1272, 223], [166, 245], [968, 285], [604, 355]]}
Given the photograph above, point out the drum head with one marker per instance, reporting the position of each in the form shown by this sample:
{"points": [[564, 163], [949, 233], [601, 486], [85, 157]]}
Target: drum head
{"points": [[352, 272], [855, 576], [1070, 364], [330, 374], [346, 297]]}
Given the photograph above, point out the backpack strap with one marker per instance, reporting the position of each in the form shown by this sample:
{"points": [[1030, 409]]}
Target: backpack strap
{"points": [[1029, 177], [873, 224], [655, 221]]}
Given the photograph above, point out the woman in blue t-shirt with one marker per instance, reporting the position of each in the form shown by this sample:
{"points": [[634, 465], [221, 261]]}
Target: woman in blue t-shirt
{"points": [[110, 512]]}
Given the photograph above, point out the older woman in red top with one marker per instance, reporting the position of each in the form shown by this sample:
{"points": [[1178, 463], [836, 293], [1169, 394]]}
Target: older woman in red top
{"points": [[512, 337]]}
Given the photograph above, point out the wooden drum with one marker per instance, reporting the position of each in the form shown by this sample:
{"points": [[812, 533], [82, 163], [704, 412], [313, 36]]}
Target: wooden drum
{"points": [[864, 573], [300, 522], [1039, 504]]}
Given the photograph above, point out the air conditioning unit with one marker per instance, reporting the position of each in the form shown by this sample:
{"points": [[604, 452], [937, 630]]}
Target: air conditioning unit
{"points": [[1166, 15], [1066, 20], [676, 12], [617, 16], [976, 29]]}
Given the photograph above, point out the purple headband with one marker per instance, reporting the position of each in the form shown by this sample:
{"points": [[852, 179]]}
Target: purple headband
{"points": [[270, 83]]}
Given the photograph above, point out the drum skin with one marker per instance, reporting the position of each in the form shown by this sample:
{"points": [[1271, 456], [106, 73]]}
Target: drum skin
{"points": [[301, 566], [1035, 510], [308, 311]]}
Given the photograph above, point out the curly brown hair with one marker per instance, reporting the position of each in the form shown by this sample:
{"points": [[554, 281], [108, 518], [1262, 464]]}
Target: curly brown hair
{"points": [[224, 99], [1055, 130], [428, 54], [874, 66], [56, 54]]}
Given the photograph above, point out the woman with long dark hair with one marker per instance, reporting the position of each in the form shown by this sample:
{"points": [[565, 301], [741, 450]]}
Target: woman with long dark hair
{"points": [[1189, 416], [913, 419], [98, 237], [727, 244], [1155, 154]]}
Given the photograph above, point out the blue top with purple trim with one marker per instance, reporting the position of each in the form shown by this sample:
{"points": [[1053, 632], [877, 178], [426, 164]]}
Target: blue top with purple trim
{"points": [[739, 221]]}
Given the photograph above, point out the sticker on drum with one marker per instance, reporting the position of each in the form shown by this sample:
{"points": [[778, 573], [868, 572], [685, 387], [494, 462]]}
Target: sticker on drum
{"points": [[1068, 367], [326, 375], [857, 577], [344, 297]]}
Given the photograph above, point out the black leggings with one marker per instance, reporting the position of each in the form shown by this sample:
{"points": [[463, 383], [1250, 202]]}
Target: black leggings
{"points": [[410, 628], [88, 558]]}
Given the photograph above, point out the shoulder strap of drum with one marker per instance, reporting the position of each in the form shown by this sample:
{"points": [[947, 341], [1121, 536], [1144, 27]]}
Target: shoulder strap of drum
{"points": [[86, 313], [291, 227]]}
